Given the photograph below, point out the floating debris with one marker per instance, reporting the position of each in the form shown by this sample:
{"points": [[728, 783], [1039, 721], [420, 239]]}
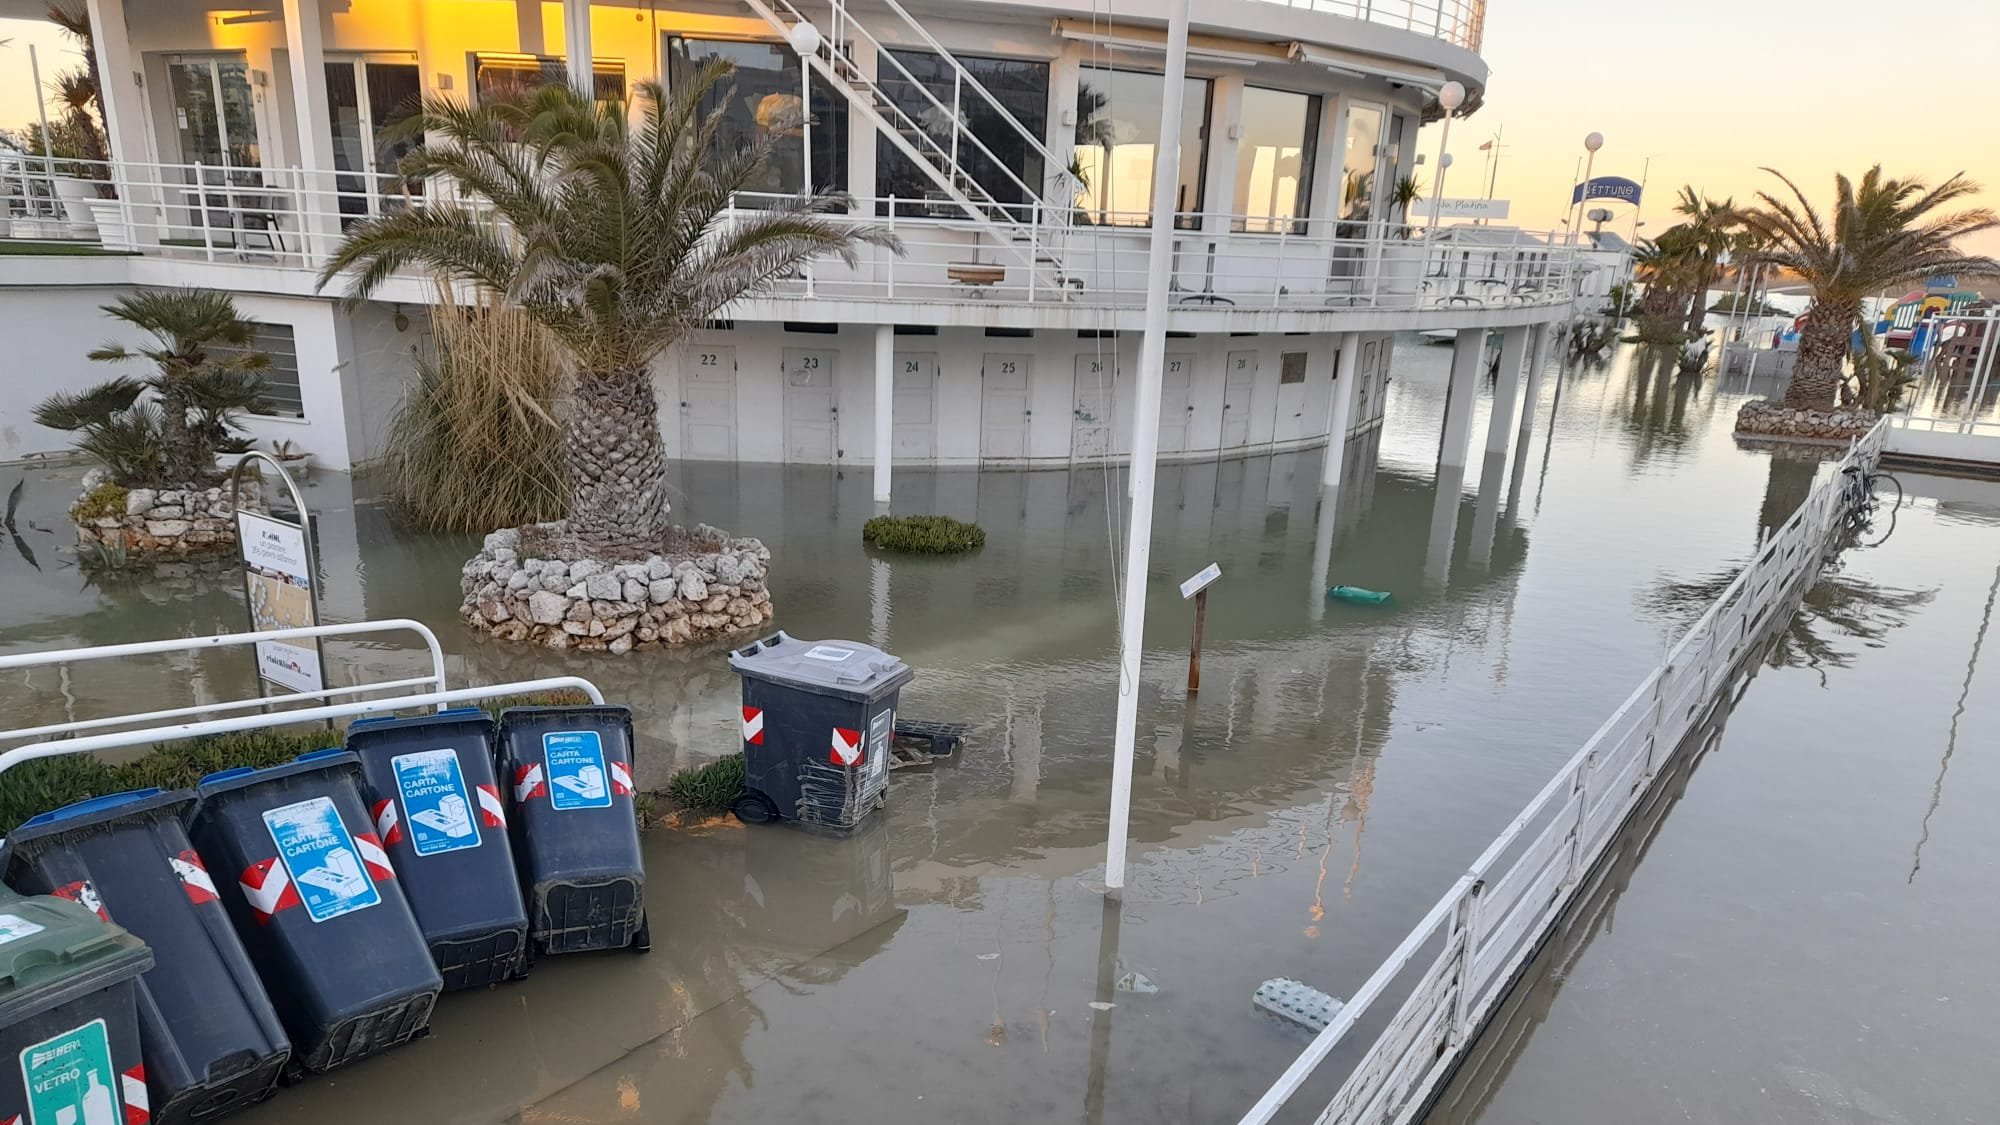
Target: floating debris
{"points": [[1297, 1003]]}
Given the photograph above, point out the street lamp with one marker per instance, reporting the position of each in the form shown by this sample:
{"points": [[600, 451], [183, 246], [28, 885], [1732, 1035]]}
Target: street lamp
{"points": [[1591, 144], [1450, 96]]}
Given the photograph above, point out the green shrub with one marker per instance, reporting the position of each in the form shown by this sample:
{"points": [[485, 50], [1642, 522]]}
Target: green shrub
{"points": [[40, 786], [924, 535], [710, 788], [106, 499]]}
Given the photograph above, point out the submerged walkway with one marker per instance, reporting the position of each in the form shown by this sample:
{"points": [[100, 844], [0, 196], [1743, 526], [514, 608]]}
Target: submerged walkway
{"points": [[1802, 939]]}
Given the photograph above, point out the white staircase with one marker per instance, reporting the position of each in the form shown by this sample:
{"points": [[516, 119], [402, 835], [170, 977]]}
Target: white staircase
{"points": [[1033, 231]]}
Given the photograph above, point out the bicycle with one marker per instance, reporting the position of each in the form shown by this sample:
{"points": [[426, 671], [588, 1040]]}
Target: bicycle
{"points": [[1859, 502]]}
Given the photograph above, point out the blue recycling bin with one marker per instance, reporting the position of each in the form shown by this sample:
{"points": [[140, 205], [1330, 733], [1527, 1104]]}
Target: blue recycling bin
{"points": [[210, 1039], [576, 834], [819, 718], [438, 811], [69, 1030], [316, 902]]}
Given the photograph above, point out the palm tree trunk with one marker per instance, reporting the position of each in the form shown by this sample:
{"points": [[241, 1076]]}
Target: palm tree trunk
{"points": [[617, 466], [174, 435], [1823, 345], [1697, 315]]}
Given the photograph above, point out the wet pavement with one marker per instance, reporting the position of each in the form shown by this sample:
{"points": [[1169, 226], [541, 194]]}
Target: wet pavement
{"points": [[954, 960]]}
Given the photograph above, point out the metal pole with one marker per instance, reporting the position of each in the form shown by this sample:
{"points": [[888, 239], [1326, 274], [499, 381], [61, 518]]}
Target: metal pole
{"points": [[1583, 191], [1145, 445], [305, 536], [1437, 185], [48, 144], [1194, 653], [805, 126]]}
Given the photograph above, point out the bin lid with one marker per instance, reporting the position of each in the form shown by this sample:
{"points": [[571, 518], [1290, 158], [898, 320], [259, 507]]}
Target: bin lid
{"points": [[53, 950], [844, 668], [392, 722], [242, 777], [84, 815], [364, 734]]}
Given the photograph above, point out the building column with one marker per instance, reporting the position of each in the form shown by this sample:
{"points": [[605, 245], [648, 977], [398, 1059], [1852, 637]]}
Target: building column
{"points": [[1224, 131], [528, 37], [1486, 508], [1507, 388], [885, 403], [1468, 351], [1340, 411], [124, 100], [305, 46], [576, 46], [1538, 359], [861, 135], [1444, 526]]}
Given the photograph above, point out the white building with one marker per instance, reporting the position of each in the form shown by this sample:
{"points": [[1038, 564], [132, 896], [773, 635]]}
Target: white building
{"points": [[245, 134]]}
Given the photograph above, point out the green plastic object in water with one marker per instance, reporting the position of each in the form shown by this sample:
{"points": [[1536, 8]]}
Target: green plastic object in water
{"points": [[1357, 594]]}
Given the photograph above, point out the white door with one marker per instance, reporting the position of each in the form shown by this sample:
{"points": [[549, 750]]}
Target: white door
{"points": [[1239, 386], [1004, 410], [812, 410], [1090, 417], [708, 404], [915, 434], [1176, 409]]}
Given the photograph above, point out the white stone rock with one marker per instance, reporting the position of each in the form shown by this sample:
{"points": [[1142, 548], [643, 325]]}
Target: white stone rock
{"points": [[658, 568], [519, 580], [583, 568], [139, 501], [693, 587], [635, 590], [577, 592], [167, 529], [504, 554], [663, 591], [169, 496], [167, 512], [620, 645], [728, 571], [506, 538], [602, 587], [95, 477], [546, 608], [532, 566]]}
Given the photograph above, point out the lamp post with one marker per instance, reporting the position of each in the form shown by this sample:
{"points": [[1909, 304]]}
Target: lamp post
{"points": [[1591, 144], [1450, 96]]}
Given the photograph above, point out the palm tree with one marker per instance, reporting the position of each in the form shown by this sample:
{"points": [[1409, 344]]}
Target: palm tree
{"points": [[1709, 230], [206, 370], [1880, 233], [619, 239]]}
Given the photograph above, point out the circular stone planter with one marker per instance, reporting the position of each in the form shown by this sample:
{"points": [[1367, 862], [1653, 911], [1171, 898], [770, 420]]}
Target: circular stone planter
{"points": [[162, 523], [1766, 419], [711, 586]]}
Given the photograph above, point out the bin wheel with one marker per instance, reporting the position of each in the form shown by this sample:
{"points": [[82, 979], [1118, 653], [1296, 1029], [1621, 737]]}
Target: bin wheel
{"points": [[754, 808], [642, 938]]}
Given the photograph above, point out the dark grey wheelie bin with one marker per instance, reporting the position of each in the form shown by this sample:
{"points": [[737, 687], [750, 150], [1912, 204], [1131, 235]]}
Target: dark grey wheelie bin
{"points": [[316, 903], [818, 721], [438, 811], [576, 833], [211, 1041], [69, 1028]]}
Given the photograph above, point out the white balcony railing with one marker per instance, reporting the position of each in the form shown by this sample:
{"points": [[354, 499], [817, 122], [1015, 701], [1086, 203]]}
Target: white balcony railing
{"points": [[284, 218], [1461, 23]]}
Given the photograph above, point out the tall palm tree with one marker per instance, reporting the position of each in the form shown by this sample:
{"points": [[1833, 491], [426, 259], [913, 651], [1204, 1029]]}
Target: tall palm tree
{"points": [[1709, 229], [205, 371], [619, 239], [1880, 233]]}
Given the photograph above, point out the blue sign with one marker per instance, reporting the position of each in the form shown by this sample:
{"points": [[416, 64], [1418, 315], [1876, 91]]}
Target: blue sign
{"points": [[435, 802], [1606, 187], [321, 858], [575, 762], [1941, 281]]}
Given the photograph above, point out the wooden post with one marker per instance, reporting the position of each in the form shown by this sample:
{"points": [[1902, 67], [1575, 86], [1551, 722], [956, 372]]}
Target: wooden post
{"points": [[1194, 654]]}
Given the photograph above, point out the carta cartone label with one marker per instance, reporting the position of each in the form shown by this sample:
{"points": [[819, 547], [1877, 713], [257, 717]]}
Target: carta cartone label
{"points": [[435, 802], [321, 857], [575, 761]]}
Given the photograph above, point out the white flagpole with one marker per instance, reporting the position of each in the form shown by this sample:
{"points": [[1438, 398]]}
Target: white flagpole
{"points": [[1146, 443]]}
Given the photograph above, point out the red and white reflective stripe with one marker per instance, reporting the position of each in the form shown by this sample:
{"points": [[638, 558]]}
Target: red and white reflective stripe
{"points": [[846, 748], [528, 783], [753, 725], [388, 821], [373, 857], [138, 1109], [14, 1120], [621, 779], [194, 877], [492, 813], [268, 888], [85, 895]]}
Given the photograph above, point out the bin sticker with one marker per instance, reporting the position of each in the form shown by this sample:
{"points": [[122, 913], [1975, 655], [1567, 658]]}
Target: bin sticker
{"points": [[13, 927], [830, 653], [435, 801], [881, 731], [322, 858], [70, 1080], [577, 777]]}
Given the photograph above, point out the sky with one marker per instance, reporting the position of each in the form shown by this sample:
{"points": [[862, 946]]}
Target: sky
{"points": [[1713, 90]]}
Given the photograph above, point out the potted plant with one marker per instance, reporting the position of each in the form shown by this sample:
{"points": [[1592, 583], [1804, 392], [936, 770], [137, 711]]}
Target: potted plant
{"points": [[296, 461]]}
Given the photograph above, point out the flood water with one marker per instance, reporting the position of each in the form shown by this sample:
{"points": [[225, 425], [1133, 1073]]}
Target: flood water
{"points": [[954, 960]]}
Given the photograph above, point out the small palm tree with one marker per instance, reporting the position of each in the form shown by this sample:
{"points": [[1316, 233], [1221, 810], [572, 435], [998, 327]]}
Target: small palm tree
{"points": [[1881, 233], [1710, 230], [620, 240], [206, 370]]}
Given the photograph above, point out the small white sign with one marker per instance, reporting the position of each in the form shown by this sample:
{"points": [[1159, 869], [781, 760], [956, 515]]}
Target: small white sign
{"points": [[277, 576], [1200, 581], [1465, 208]]}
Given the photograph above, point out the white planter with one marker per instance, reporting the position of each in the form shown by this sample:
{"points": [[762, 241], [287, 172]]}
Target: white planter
{"points": [[76, 197], [298, 465], [112, 229], [1402, 268]]}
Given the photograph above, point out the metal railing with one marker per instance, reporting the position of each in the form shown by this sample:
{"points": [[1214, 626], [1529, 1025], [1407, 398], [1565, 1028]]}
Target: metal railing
{"points": [[1461, 23], [286, 218], [1485, 930]]}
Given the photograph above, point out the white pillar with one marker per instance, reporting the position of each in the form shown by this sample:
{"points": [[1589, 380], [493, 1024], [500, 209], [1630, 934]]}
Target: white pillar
{"points": [[305, 46], [1538, 359], [1486, 508], [124, 100], [1468, 352], [1444, 526], [576, 46], [1341, 409], [885, 407], [861, 136], [1322, 564], [1507, 388], [528, 36]]}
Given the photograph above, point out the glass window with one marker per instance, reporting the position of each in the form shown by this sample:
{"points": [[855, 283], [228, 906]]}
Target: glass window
{"points": [[281, 378], [1117, 137], [1357, 166], [510, 76], [1292, 368], [214, 116], [1275, 158], [1021, 87], [764, 91]]}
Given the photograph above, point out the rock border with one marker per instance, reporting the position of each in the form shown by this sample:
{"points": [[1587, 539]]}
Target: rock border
{"points": [[164, 523], [590, 606], [1764, 418]]}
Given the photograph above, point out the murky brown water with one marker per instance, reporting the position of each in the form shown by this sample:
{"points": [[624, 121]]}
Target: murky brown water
{"points": [[955, 961]]}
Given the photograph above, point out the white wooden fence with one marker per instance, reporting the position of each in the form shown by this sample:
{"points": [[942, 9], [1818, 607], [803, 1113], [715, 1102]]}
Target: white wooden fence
{"points": [[1487, 927]]}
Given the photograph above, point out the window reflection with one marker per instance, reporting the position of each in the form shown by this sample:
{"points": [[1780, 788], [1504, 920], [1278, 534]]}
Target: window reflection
{"points": [[1021, 87], [1274, 159], [1117, 140], [508, 77], [1357, 185], [763, 93]]}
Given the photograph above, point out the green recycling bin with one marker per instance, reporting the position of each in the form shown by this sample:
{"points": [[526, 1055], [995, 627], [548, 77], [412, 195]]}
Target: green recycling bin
{"points": [[69, 1021]]}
